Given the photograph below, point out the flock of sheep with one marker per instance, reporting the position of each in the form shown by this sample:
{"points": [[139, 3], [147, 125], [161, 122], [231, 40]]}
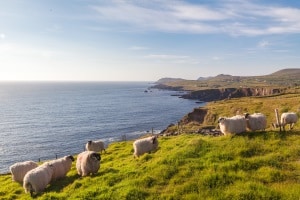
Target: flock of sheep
{"points": [[253, 122], [35, 178]]}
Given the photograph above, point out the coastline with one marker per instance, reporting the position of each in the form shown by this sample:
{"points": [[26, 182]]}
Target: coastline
{"points": [[217, 94]]}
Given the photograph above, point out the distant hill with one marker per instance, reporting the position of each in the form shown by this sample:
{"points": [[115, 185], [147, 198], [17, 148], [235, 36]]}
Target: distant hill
{"points": [[284, 78], [287, 72], [167, 80]]}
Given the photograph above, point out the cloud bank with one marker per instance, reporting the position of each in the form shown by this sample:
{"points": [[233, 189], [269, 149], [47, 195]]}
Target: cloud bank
{"points": [[233, 17]]}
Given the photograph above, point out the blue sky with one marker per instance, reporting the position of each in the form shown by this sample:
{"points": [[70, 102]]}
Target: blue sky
{"points": [[139, 40]]}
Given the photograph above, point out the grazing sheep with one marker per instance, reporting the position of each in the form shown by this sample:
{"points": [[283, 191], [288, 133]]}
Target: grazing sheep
{"points": [[61, 167], [18, 170], [97, 146], [236, 124], [37, 179], [256, 121], [288, 118], [145, 145], [88, 162]]}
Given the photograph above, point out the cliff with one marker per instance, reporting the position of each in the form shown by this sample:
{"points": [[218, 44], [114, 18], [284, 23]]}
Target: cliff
{"points": [[227, 93]]}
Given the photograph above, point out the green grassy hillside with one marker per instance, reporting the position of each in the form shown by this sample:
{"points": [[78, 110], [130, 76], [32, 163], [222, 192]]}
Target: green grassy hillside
{"points": [[253, 165]]}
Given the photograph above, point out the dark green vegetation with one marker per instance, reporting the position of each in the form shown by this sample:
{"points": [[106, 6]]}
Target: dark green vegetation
{"points": [[253, 165]]}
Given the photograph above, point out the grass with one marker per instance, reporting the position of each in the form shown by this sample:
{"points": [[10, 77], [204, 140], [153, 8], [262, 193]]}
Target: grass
{"points": [[253, 165], [262, 165]]}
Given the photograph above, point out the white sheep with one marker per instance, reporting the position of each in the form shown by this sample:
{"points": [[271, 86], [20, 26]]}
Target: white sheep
{"points": [[88, 162], [256, 121], [288, 118], [37, 179], [19, 169], [61, 167], [145, 145], [97, 146], [235, 124]]}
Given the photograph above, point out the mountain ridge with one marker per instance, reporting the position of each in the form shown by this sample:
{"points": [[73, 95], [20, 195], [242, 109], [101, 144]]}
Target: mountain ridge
{"points": [[225, 86]]}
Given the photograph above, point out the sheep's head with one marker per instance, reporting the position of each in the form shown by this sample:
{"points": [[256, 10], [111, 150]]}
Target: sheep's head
{"points": [[221, 119], [154, 139], [71, 157], [96, 156], [246, 115]]}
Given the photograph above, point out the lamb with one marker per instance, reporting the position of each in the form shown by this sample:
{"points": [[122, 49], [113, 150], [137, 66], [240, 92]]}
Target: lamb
{"points": [[256, 121], [235, 124], [88, 162], [288, 118], [18, 170], [37, 179], [96, 146], [61, 167], [145, 145]]}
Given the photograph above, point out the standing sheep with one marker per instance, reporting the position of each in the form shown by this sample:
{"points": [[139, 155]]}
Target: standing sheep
{"points": [[256, 121], [97, 146], [236, 124], [18, 170], [61, 167], [288, 118], [88, 162], [37, 179], [145, 145]]}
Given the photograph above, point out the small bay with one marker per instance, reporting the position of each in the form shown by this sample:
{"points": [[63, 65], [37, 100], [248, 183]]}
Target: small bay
{"points": [[41, 120]]}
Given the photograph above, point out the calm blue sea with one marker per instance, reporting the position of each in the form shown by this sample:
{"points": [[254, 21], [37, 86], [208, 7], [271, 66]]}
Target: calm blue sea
{"points": [[39, 120]]}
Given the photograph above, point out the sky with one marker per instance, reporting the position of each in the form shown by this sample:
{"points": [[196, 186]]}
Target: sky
{"points": [[145, 40]]}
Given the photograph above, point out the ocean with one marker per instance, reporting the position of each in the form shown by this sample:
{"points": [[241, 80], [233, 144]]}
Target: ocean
{"points": [[42, 120]]}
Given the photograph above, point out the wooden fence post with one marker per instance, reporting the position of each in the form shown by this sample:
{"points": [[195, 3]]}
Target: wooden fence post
{"points": [[277, 119]]}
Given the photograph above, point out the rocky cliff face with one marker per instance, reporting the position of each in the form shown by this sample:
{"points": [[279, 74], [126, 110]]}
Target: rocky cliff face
{"points": [[226, 93]]}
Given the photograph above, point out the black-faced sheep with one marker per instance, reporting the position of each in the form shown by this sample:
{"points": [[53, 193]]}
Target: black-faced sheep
{"points": [[88, 162], [37, 179], [145, 145], [256, 121], [61, 167], [236, 124], [18, 170], [97, 146]]}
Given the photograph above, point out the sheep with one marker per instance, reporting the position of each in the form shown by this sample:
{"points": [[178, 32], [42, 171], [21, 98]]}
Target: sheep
{"points": [[18, 170], [235, 124], [97, 146], [61, 167], [288, 118], [145, 145], [37, 179], [88, 162], [256, 121]]}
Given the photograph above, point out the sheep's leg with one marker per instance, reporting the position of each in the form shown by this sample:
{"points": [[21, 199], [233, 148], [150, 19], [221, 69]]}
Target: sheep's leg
{"points": [[291, 126]]}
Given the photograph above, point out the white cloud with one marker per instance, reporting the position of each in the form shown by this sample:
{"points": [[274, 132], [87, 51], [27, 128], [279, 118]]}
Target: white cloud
{"points": [[263, 44], [227, 16], [2, 36], [216, 58]]}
